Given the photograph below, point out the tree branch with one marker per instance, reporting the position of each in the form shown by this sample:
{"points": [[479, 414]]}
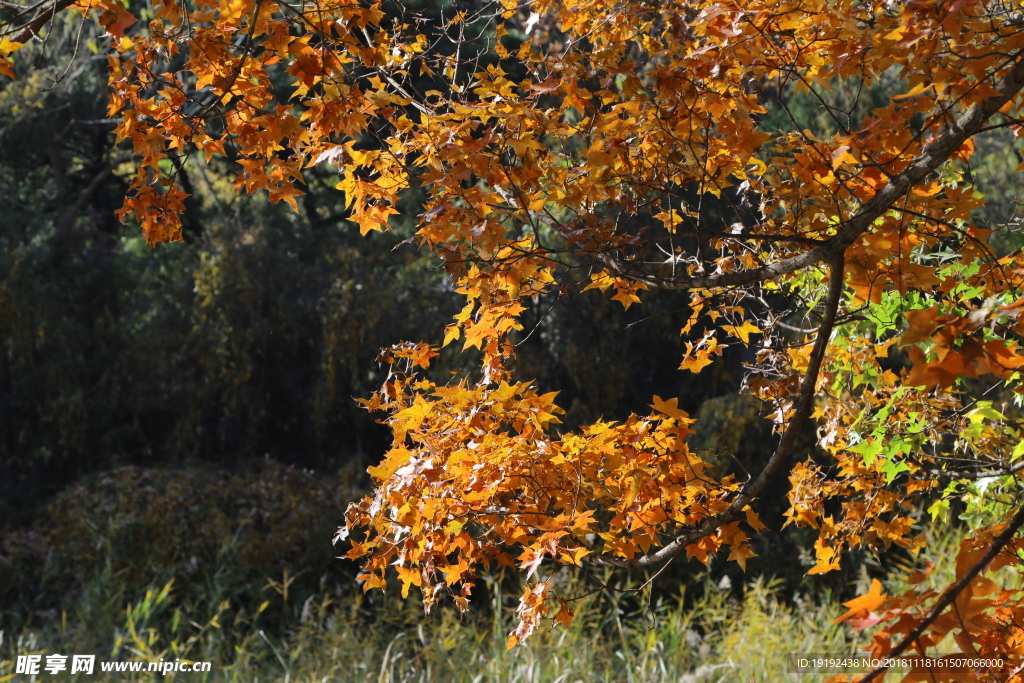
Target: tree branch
{"points": [[969, 123], [28, 31], [1003, 471]]}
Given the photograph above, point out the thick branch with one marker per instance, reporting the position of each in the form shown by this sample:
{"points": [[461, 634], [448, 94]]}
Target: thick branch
{"points": [[44, 14], [933, 154], [952, 592], [802, 410]]}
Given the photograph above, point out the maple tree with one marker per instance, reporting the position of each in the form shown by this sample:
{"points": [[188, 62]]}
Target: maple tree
{"points": [[569, 146]]}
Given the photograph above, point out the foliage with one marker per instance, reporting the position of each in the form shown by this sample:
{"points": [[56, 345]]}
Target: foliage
{"points": [[250, 338], [704, 641], [627, 147]]}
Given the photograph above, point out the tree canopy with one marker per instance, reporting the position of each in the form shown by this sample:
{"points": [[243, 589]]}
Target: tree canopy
{"points": [[557, 147]]}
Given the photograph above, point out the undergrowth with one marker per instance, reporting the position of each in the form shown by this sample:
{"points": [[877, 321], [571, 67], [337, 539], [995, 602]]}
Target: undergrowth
{"points": [[344, 638], [222, 598]]}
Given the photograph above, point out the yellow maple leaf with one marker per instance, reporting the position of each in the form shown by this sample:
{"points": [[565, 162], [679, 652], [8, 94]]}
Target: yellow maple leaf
{"points": [[669, 407], [740, 553], [600, 281], [565, 614], [7, 45], [827, 560], [451, 334], [626, 296], [753, 520], [869, 602], [697, 362], [743, 331]]}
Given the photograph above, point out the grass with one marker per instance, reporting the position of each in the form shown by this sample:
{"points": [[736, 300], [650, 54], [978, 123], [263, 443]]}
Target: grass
{"points": [[298, 626], [352, 637]]}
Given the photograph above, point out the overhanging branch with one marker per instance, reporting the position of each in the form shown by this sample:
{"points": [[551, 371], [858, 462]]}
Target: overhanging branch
{"points": [[968, 124]]}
